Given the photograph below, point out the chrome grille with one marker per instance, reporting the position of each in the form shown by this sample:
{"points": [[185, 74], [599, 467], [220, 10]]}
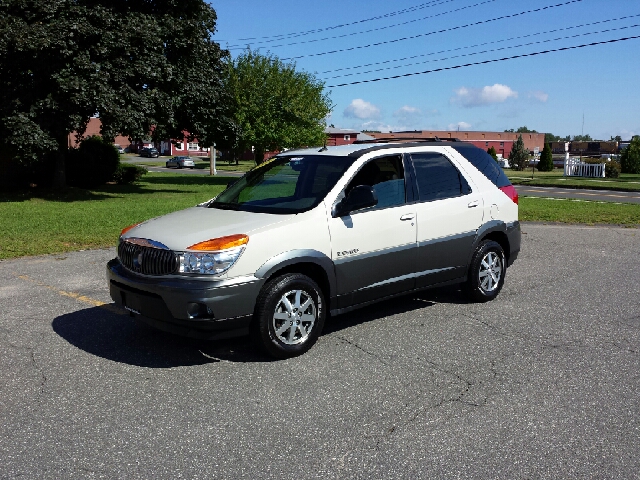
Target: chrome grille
{"points": [[147, 260]]}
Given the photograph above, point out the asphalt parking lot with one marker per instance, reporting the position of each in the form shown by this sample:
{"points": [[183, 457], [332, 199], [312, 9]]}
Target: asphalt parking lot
{"points": [[543, 382]]}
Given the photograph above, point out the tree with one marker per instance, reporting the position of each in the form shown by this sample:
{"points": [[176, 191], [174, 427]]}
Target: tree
{"points": [[521, 130], [142, 66], [582, 138], [546, 159], [630, 158], [277, 106], [519, 157], [492, 151]]}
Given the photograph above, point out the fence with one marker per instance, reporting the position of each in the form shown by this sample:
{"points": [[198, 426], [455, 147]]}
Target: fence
{"points": [[574, 167]]}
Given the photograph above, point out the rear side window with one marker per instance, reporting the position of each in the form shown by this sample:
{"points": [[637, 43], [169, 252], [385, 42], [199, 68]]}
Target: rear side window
{"points": [[437, 177], [485, 163]]}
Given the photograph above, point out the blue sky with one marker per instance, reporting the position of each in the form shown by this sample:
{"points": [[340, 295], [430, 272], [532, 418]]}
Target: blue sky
{"points": [[549, 93]]}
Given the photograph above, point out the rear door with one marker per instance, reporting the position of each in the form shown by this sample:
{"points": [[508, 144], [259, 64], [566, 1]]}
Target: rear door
{"points": [[449, 212]]}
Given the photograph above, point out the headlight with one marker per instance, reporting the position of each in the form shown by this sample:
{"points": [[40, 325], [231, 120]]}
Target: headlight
{"points": [[214, 256]]}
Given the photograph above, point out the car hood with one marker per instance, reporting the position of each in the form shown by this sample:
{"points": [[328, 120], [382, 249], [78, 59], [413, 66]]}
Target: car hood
{"points": [[181, 229]]}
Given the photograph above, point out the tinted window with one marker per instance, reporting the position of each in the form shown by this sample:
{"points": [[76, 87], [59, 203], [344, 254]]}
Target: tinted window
{"points": [[437, 178], [386, 176], [485, 163], [288, 184]]}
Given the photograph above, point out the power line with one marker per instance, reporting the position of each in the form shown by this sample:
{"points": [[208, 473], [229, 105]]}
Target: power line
{"points": [[375, 29], [435, 31], [379, 17], [486, 61], [486, 51], [478, 44]]}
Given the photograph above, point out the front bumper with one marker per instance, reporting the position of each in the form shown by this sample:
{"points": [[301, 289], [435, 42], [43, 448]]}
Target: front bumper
{"points": [[166, 303]]}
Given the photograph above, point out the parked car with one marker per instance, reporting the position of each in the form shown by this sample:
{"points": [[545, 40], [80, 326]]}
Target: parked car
{"points": [[119, 149], [316, 232], [180, 162], [149, 152]]}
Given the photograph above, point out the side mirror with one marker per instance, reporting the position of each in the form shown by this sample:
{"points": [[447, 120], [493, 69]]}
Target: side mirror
{"points": [[360, 197]]}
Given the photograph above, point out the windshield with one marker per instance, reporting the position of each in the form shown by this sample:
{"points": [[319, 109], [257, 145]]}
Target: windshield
{"points": [[284, 184]]}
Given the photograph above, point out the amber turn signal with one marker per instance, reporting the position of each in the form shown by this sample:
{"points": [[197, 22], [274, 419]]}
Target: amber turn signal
{"points": [[125, 230], [221, 243]]}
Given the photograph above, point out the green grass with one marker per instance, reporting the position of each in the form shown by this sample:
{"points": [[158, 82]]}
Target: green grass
{"points": [[536, 209], [35, 223], [626, 182], [221, 165], [40, 222]]}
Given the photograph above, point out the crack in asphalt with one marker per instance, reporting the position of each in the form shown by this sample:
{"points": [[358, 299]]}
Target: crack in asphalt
{"points": [[355, 344]]}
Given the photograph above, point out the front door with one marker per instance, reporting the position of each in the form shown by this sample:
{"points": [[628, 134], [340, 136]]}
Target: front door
{"points": [[374, 249]]}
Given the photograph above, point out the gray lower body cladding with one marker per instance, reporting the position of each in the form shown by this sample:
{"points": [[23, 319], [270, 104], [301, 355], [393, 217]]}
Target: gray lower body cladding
{"points": [[225, 306]]}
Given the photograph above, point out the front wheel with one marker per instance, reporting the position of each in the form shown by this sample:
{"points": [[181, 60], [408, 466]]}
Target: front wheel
{"points": [[290, 315], [487, 271]]}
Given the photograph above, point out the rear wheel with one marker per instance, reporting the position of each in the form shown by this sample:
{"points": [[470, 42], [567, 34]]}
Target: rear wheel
{"points": [[290, 314], [487, 271]]}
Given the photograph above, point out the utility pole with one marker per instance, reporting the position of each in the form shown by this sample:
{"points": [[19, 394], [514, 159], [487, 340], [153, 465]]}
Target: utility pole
{"points": [[212, 161]]}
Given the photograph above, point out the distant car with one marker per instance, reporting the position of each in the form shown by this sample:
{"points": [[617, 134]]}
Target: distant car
{"points": [[119, 148], [149, 152], [180, 162]]}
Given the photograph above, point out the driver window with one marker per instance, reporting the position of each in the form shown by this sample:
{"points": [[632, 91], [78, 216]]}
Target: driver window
{"points": [[386, 176]]}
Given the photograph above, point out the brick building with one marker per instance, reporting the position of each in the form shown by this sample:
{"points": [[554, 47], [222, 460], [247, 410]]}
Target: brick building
{"points": [[501, 141]]}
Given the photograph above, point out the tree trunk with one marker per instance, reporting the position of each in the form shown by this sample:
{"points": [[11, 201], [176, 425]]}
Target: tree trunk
{"points": [[59, 175], [258, 155]]}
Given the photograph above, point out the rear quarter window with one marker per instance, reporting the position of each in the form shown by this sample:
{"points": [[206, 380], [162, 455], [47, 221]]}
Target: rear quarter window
{"points": [[485, 163]]}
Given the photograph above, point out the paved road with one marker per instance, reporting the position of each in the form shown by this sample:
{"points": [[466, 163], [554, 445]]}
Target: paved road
{"points": [[576, 193], [543, 382], [187, 171]]}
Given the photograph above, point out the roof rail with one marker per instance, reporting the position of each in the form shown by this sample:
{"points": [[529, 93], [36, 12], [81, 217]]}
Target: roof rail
{"points": [[407, 139]]}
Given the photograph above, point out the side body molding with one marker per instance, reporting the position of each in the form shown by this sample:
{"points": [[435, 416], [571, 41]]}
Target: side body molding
{"points": [[293, 257]]}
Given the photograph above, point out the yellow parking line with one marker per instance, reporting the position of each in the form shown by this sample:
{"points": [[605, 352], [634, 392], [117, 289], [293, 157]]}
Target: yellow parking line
{"points": [[74, 295]]}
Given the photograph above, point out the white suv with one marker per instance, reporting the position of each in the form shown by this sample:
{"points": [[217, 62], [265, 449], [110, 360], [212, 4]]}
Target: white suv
{"points": [[321, 231]]}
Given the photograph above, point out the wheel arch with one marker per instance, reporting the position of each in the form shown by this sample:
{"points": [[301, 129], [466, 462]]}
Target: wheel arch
{"points": [[495, 230], [316, 265]]}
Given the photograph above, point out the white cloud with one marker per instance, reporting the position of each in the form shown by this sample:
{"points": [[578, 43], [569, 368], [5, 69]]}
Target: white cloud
{"points": [[539, 96], [359, 108], [408, 116], [475, 97], [459, 126]]}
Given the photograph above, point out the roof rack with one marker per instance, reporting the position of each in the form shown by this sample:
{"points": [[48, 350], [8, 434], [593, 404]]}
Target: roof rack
{"points": [[407, 139]]}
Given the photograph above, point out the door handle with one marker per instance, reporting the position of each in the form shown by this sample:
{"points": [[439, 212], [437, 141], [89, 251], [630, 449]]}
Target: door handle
{"points": [[475, 203], [407, 216]]}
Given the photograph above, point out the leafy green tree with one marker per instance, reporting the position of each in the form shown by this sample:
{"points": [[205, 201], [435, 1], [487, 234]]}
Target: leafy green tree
{"points": [[546, 159], [277, 106], [142, 66], [492, 151], [521, 130], [630, 158], [519, 156], [582, 138]]}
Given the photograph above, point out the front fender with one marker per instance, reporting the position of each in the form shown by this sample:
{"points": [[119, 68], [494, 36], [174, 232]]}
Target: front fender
{"points": [[293, 257]]}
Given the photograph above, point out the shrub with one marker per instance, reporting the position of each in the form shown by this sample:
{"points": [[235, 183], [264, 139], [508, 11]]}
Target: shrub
{"points": [[92, 164], [492, 151], [612, 169], [125, 174], [546, 159], [630, 158]]}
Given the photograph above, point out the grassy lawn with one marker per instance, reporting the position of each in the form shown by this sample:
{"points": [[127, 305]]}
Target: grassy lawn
{"points": [[35, 223], [203, 164], [536, 209], [626, 182]]}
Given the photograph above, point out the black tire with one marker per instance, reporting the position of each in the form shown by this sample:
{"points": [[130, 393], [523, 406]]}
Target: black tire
{"points": [[283, 337], [166, 165], [486, 272]]}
